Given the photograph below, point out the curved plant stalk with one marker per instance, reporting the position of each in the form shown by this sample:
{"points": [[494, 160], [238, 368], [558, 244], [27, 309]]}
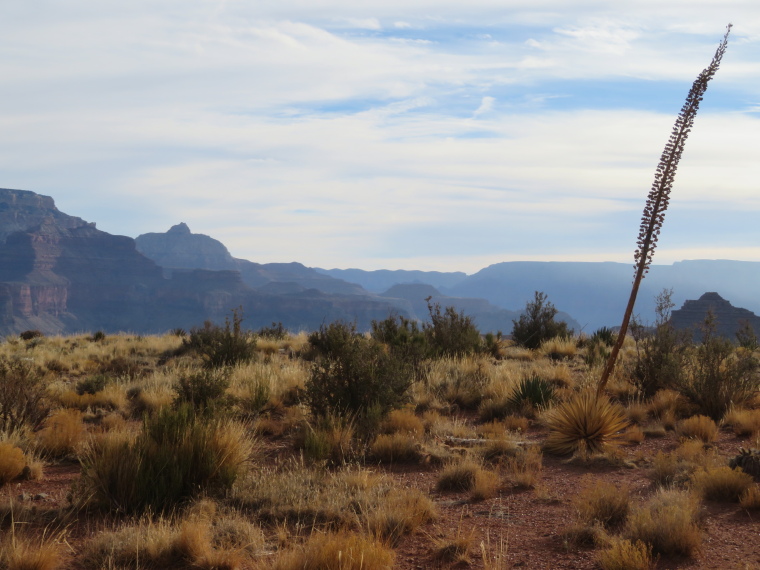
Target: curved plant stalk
{"points": [[659, 196]]}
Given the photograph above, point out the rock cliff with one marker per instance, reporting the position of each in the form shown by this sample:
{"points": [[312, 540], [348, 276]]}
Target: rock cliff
{"points": [[728, 319]]}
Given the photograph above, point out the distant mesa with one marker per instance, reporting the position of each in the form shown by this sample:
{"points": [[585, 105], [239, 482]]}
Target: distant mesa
{"points": [[728, 319]]}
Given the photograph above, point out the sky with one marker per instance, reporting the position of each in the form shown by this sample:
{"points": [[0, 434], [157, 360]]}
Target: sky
{"points": [[434, 135]]}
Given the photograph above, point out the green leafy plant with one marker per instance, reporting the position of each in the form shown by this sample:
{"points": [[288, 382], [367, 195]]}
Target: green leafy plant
{"points": [[537, 323], [532, 391], [659, 195]]}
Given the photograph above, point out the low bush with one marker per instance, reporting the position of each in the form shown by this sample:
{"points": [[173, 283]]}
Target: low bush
{"points": [[721, 483], [603, 503], [451, 333], [750, 499], [21, 552], [395, 448], [354, 376], [203, 388], [177, 455], [22, 394], [524, 468], [698, 427], [399, 514], [12, 462], [667, 524], [531, 394], [222, 346], [537, 323], [61, 434]]}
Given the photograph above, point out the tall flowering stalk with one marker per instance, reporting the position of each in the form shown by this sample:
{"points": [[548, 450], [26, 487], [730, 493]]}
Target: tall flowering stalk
{"points": [[659, 195]]}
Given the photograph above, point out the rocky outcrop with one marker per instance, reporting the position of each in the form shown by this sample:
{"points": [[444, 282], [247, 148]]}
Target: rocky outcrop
{"points": [[182, 249], [60, 274], [728, 319]]}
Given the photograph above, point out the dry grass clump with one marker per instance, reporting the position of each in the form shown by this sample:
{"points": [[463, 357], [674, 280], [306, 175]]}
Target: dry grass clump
{"points": [[676, 468], [698, 427], [667, 403], [21, 552], [12, 462], [586, 423], [622, 554], [721, 483], [750, 499], [742, 422], [637, 412], [603, 503], [337, 551], [667, 524], [195, 542], [396, 448], [62, 433], [403, 421], [400, 513], [524, 469], [460, 382], [498, 449], [329, 440], [453, 550], [468, 475], [297, 495], [559, 348]]}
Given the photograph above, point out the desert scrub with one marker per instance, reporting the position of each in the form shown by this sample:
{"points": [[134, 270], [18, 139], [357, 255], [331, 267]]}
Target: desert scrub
{"points": [[202, 388], [451, 333], [296, 495], [698, 427], [61, 434], [222, 346], [742, 422], [524, 468], [400, 513], [22, 394], [353, 375], [460, 382], [177, 455], [537, 323], [395, 448], [667, 524], [721, 483], [603, 503], [21, 552], [622, 554], [12, 462], [587, 423], [195, 542], [337, 551], [468, 475], [329, 439]]}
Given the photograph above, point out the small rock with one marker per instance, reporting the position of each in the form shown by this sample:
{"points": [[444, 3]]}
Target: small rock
{"points": [[41, 497]]}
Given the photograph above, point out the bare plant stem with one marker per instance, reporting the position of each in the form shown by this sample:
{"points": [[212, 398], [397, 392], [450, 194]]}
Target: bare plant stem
{"points": [[659, 196]]}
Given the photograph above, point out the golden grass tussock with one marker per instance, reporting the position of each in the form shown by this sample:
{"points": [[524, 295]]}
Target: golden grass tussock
{"points": [[453, 550], [403, 421], [12, 462], [400, 513], [742, 422], [21, 552], [601, 502], [667, 401], [622, 554], [698, 427], [721, 483], [637, 412], [337, 551], [62, 433], [559, 348], [395, 448], [524, 468], [468, 475], [633, 435], [667, 523], [586, 423], [750, 499]]}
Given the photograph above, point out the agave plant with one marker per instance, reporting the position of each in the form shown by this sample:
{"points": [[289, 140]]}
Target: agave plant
{"points": [[659, 195], [586, 423]]}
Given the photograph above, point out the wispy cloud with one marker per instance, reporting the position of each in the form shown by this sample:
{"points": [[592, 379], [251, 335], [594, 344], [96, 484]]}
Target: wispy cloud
{"points": [[427, 135]]}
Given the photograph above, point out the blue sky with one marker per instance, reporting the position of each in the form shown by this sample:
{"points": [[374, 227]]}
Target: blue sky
{"points": [[432, 135]]}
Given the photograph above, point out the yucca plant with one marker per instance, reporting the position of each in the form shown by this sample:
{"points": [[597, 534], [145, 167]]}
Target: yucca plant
{"points": [[586, 423], [659, 195]]}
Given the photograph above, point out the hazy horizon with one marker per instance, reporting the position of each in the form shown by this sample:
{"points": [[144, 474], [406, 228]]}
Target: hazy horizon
{"points": [[419, 135]]}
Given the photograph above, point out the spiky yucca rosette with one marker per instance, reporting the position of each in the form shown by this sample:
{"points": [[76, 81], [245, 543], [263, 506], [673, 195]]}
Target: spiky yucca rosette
{"points": [[586, 423]]}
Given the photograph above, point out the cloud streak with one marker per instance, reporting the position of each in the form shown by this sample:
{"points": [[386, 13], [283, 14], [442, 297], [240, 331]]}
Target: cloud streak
{"points": [[382, 135]]}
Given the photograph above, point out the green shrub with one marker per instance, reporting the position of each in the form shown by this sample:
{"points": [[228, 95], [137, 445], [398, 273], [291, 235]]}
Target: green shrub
{"points": [[537, 323], [91, 384], [203, 388], [451, 333], [22, 394], [222, 346], [718, 376], [660, 353], [403, 337], [30, 334], [354, 375], [604, 335]]}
